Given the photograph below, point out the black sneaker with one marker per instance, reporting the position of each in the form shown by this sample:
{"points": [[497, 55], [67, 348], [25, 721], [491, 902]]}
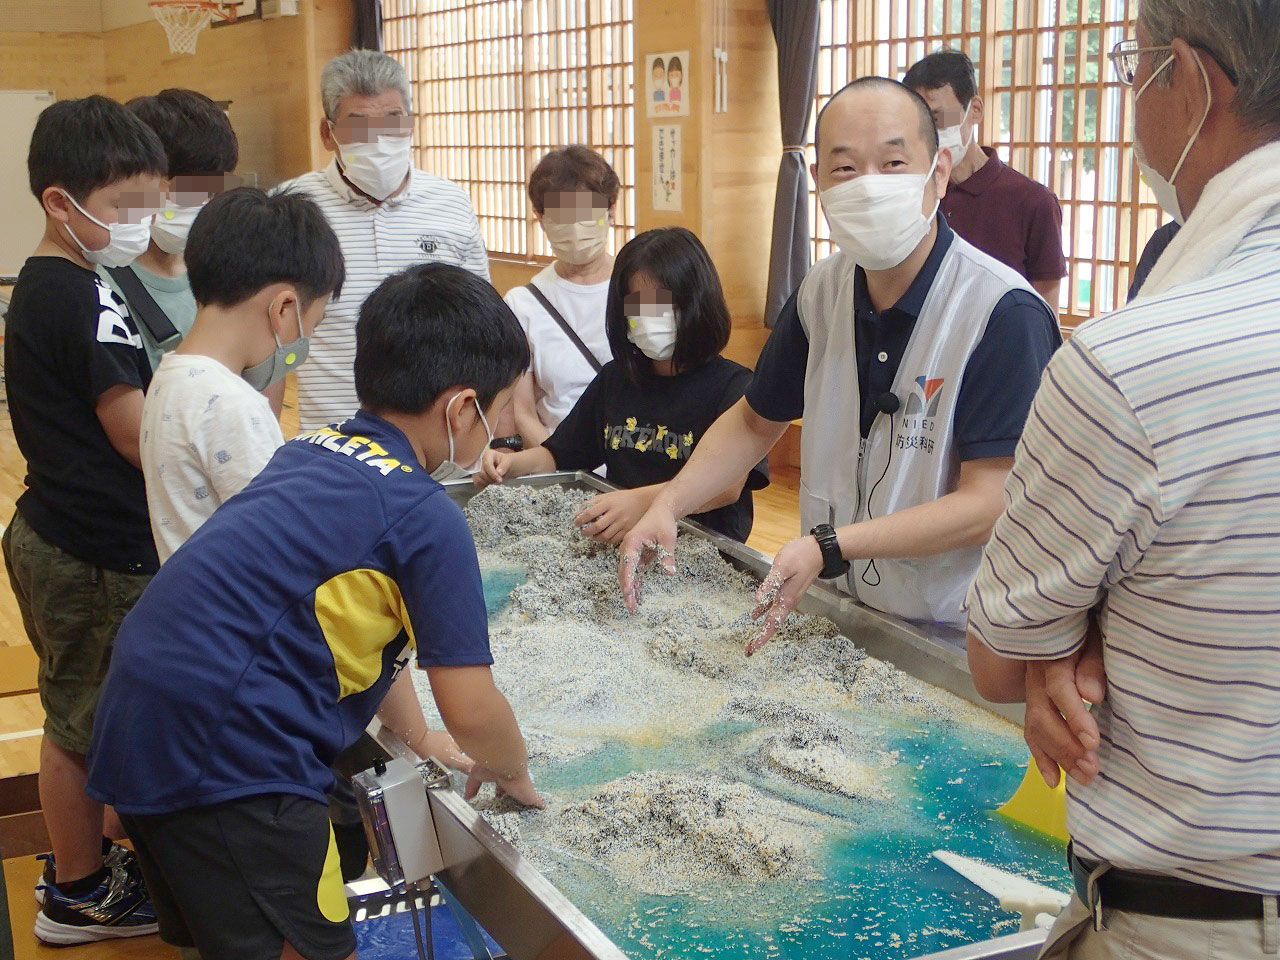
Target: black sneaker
{"points": [[117, 907], [113, 854]]}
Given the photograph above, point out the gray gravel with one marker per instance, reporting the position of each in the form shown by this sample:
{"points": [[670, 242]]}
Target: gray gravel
{"points": [[583, 675]]}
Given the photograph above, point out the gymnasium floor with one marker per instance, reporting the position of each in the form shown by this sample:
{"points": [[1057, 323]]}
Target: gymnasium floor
{"points": [[777, 520]]}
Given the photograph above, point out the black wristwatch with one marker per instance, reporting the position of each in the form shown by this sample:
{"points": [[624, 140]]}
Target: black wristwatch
{"points": [[515, 442], [833, 562]]}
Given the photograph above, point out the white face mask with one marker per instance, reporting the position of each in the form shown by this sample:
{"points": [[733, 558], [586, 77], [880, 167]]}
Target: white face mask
{"points": [[377, 168], [577, 243], [953, 138], [875, 219], [655, 337], [1165, 193], [172, 224], [126, 241], [449, 469]]}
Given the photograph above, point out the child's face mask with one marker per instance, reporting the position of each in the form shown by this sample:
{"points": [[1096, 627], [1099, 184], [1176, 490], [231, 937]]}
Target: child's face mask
{"points": [[171, 226], [126, 241], [285, 357], [654, 336], [449, 469]]}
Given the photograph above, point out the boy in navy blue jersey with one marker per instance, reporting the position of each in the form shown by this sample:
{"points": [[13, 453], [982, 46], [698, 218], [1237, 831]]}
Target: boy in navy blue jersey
{"points": [[78, 550], [221, 717]]}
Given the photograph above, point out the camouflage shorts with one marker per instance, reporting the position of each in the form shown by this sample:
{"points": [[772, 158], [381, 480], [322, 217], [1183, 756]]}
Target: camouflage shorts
{"points": [[71, 610]]}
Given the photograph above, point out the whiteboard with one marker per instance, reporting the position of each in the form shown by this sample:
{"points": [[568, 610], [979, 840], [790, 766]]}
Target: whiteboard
{"points": [[22, 223]]}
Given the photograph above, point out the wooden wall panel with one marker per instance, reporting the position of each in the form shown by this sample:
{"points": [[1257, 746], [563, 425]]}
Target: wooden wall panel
{"points": [[51, 16], [69, 64], [746, 147], [268, 69], [510, 273]]}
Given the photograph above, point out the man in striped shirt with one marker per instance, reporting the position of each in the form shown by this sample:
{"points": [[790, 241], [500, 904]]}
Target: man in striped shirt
{"points": [[387, 214], [1146, 492]]}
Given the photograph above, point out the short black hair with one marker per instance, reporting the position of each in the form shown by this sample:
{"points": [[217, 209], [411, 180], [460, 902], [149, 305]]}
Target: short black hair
{"points": [[677, 260], [244, 240], [81, 145], [195, 132], [945, 68], [928, 128], [432, 327]]}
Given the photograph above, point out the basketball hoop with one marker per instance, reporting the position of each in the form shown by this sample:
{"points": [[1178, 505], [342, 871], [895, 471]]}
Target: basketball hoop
{"points": [[184, 19]]}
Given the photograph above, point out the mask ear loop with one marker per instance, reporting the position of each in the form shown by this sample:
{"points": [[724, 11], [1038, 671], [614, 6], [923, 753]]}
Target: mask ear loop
{"points": [[1208, 89], [448, 425], [965, 145], [928, 178]]}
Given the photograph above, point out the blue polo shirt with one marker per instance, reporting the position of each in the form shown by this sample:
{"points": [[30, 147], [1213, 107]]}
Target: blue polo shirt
{"points": [[265, 644], [1000, 379]]}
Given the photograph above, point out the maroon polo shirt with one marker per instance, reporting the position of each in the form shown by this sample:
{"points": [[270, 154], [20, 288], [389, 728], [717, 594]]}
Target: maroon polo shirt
{"points": [[1010, 217]]}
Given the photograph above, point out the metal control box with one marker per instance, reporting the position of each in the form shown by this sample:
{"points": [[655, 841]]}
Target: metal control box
{"points": [[392, 798]]}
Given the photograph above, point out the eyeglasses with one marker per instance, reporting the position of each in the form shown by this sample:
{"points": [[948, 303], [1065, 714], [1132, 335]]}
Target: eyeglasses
{"points": [[1125, 57]]}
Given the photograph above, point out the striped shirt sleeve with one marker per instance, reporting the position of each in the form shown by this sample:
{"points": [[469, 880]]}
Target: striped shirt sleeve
{"points": [[1082, 504], [476, 256]]}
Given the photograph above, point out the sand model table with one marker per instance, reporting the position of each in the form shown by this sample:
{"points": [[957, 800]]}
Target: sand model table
{"points": [[704, 804]]}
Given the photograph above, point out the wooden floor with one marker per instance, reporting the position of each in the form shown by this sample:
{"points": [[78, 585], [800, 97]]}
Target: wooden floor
{"points": [[21, 875], [777, 521]]}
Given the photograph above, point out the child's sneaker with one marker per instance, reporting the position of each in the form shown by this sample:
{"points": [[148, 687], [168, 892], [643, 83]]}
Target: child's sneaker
{"points": [[117, 907], [113, 854]]}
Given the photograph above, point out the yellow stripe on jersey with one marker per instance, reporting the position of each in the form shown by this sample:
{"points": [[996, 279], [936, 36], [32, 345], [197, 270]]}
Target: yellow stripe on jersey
{"points": [[360, 612]]}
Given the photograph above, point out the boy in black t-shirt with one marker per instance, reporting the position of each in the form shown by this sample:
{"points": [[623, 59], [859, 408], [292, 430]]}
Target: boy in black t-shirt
{"points": [[78, 550]]}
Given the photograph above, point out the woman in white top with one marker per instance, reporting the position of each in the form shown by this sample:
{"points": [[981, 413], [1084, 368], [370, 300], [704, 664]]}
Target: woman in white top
{"points": [[574, 192]]}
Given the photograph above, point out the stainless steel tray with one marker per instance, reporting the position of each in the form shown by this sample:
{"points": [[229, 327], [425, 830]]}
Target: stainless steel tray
{"points": [[533, 920]]}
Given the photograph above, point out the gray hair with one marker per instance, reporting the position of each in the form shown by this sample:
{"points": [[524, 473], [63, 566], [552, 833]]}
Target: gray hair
{"points": [[364, 72], [1242, 35]]}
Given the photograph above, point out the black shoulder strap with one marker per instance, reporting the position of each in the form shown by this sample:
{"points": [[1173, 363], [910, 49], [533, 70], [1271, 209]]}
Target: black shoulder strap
{"points": [[564, 325], [144, 307]]}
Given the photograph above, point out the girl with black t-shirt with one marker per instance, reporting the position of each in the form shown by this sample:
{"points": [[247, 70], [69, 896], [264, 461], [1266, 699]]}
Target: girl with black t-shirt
{"points": [[645, 412]]}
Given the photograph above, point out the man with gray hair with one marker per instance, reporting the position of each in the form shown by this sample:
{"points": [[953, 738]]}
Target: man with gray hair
{"points": [[1135, 566], [387, 214]]}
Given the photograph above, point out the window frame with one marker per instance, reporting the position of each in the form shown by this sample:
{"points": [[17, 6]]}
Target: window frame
{"points": [[1046, 70], [497, 83]]}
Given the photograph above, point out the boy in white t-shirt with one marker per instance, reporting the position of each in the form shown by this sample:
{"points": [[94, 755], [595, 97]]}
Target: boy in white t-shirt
{"points": [[262, 270], [574, 193]]}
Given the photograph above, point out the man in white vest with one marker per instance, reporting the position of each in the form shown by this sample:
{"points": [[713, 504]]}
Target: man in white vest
{"points": [[913, 358]]}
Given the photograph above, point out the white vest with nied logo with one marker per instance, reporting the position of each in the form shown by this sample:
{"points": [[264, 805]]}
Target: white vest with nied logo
{"points": [[910, 457]]}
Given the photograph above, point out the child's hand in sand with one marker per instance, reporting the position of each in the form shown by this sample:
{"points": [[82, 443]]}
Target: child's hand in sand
{"points": [[610, 516], [519, 788]]}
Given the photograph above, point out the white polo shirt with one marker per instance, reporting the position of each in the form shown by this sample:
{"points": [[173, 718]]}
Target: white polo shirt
{"points": [[560, 371], [431, 220]]}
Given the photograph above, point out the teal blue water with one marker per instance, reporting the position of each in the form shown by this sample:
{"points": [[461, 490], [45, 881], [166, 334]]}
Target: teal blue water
{"points": [[498, 585], [882, 895]]}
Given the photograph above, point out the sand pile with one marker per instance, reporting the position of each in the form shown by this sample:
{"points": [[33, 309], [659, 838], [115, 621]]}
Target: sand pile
{"points": [[671, 833], [583, 675]]}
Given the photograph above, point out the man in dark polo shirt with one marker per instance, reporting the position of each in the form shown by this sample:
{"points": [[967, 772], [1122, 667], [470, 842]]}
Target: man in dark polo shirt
{"points": [[912, 357], [1002, 213]]}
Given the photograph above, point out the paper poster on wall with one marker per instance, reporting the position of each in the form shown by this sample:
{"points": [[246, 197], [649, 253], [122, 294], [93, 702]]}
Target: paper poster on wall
{"points": [[667, 151], [666, 84]]}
